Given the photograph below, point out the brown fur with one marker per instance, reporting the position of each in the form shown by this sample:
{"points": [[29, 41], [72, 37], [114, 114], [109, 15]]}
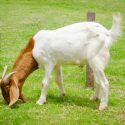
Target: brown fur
{"points": [[24, 65]]}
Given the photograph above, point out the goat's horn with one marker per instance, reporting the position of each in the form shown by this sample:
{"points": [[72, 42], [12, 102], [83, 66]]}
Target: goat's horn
{"points": [[7, 77], [4, 72]]}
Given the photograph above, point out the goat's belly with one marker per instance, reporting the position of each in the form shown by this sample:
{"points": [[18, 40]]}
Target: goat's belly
{"points": [[66, 59], [43, 57]]}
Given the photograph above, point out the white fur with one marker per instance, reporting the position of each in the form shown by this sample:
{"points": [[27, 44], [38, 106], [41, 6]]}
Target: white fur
{"points": [[79, 43]]}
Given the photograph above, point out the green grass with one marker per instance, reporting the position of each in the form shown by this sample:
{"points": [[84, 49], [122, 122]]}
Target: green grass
{"points": [[21, 19]]}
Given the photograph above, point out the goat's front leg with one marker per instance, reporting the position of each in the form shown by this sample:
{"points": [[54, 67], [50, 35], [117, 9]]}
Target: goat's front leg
{"points": [[59, 80], [45, 84], [21, 96]]}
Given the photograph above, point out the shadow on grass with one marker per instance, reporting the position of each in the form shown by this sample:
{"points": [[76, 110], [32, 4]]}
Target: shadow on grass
{"points": [[4, 104], [66, 100], [73, 100]]}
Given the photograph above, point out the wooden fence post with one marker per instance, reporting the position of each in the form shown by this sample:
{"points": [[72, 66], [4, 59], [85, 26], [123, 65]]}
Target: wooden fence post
{"points": [[89, 72]]}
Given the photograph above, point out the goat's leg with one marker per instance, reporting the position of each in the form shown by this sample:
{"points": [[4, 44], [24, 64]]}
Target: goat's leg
{"points": [[100, 78], [104, 89], [21, 96], [59, 80], [45, 84], [96, 95]]}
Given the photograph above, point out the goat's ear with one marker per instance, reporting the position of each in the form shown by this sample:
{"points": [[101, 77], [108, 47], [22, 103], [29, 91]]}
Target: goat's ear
{"points": [[14, 92]]}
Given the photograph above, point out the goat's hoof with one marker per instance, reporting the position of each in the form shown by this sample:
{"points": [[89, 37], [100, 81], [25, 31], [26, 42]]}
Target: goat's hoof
{"points": [[41, 102], [102, 107]]}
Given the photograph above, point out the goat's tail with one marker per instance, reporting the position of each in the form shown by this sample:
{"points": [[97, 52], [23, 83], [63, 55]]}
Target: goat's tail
{"points": [[115, 31]]}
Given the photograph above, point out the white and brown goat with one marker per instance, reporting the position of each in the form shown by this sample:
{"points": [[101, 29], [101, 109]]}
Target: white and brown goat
{"points": [[79, 43]]}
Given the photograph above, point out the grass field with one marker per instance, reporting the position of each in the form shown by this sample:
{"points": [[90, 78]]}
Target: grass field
{"points": [[19, 21]]}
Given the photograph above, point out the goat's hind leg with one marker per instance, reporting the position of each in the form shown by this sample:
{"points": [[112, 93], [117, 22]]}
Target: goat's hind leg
{"points": [[96, 95], [103, 85]]}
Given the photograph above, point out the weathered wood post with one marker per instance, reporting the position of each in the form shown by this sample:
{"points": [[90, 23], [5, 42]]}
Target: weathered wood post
{"points": [[89, 72]]}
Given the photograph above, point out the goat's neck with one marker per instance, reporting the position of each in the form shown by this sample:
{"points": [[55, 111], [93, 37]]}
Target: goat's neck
{"points": [[25, 63], [26, 66]]}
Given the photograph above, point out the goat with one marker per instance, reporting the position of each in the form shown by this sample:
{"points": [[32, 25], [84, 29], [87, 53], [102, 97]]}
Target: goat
{"points": [[79, 43]]}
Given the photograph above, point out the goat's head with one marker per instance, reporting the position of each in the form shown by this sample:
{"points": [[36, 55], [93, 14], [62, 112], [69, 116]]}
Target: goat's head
{"points": [[9, 87]]}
